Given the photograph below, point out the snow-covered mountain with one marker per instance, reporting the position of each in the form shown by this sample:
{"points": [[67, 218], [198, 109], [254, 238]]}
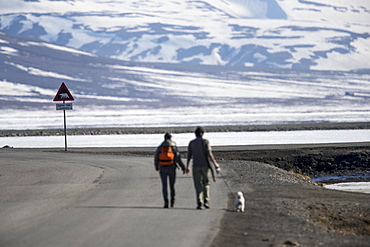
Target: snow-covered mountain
{"points": [[172, 63], [116, 93], [290, 34]]}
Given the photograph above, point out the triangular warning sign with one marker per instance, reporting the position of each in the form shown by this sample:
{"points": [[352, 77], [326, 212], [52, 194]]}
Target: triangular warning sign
{"points": [[63, 94]]}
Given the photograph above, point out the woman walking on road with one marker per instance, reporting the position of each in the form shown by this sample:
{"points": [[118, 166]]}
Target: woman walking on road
{"points": [[166, 159]]}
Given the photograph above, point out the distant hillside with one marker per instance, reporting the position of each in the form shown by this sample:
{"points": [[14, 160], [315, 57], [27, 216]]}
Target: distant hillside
{"points": [[115, 93], [285, 34]]}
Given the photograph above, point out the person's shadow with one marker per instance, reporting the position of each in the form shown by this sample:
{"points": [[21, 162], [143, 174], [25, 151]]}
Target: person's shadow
{"points": [[141, 207]]}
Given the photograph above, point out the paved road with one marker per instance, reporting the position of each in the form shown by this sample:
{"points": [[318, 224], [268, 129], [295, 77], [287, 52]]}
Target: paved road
{"points": [[64, 199]]}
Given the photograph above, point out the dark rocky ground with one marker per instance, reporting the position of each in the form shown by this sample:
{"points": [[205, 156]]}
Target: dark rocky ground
{"points": [[286, 209], [118, 131], [336, 160]]}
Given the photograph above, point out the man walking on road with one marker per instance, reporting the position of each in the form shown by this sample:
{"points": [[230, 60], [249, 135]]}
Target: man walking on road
{"points": [[166, 159], [200, 151]]}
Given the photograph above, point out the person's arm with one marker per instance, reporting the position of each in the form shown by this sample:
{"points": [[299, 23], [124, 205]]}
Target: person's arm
{"points": [[190, 154], [187, 170], [178, 159], [210, 155], [212, 158], [156, 161]]}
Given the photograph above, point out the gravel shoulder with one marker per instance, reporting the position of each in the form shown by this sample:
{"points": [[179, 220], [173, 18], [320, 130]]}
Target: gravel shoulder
{"points": [[286, 209]]}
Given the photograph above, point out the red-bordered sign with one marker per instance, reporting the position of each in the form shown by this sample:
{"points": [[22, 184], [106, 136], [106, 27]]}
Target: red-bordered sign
{"points": [[63, 94]]}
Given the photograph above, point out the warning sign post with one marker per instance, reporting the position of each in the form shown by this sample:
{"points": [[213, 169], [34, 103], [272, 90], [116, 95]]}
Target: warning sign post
{"points": [[64, 95]]}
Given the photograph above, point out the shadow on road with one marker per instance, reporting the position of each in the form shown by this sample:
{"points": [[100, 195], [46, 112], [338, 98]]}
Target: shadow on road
{"points": [[133, 207]]}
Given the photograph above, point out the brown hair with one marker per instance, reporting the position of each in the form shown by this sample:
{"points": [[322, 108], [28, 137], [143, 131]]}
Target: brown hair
{"points": [[199, 131]]}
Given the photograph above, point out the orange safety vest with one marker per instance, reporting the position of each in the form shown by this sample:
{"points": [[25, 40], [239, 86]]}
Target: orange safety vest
{"points": [[166, 156]]}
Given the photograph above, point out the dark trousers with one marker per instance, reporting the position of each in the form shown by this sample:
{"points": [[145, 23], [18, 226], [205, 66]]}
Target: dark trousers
{"points": [[168, 175]]}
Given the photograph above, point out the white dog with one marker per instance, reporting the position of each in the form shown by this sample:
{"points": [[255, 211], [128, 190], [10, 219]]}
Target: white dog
{"points": [[239, 202]]}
